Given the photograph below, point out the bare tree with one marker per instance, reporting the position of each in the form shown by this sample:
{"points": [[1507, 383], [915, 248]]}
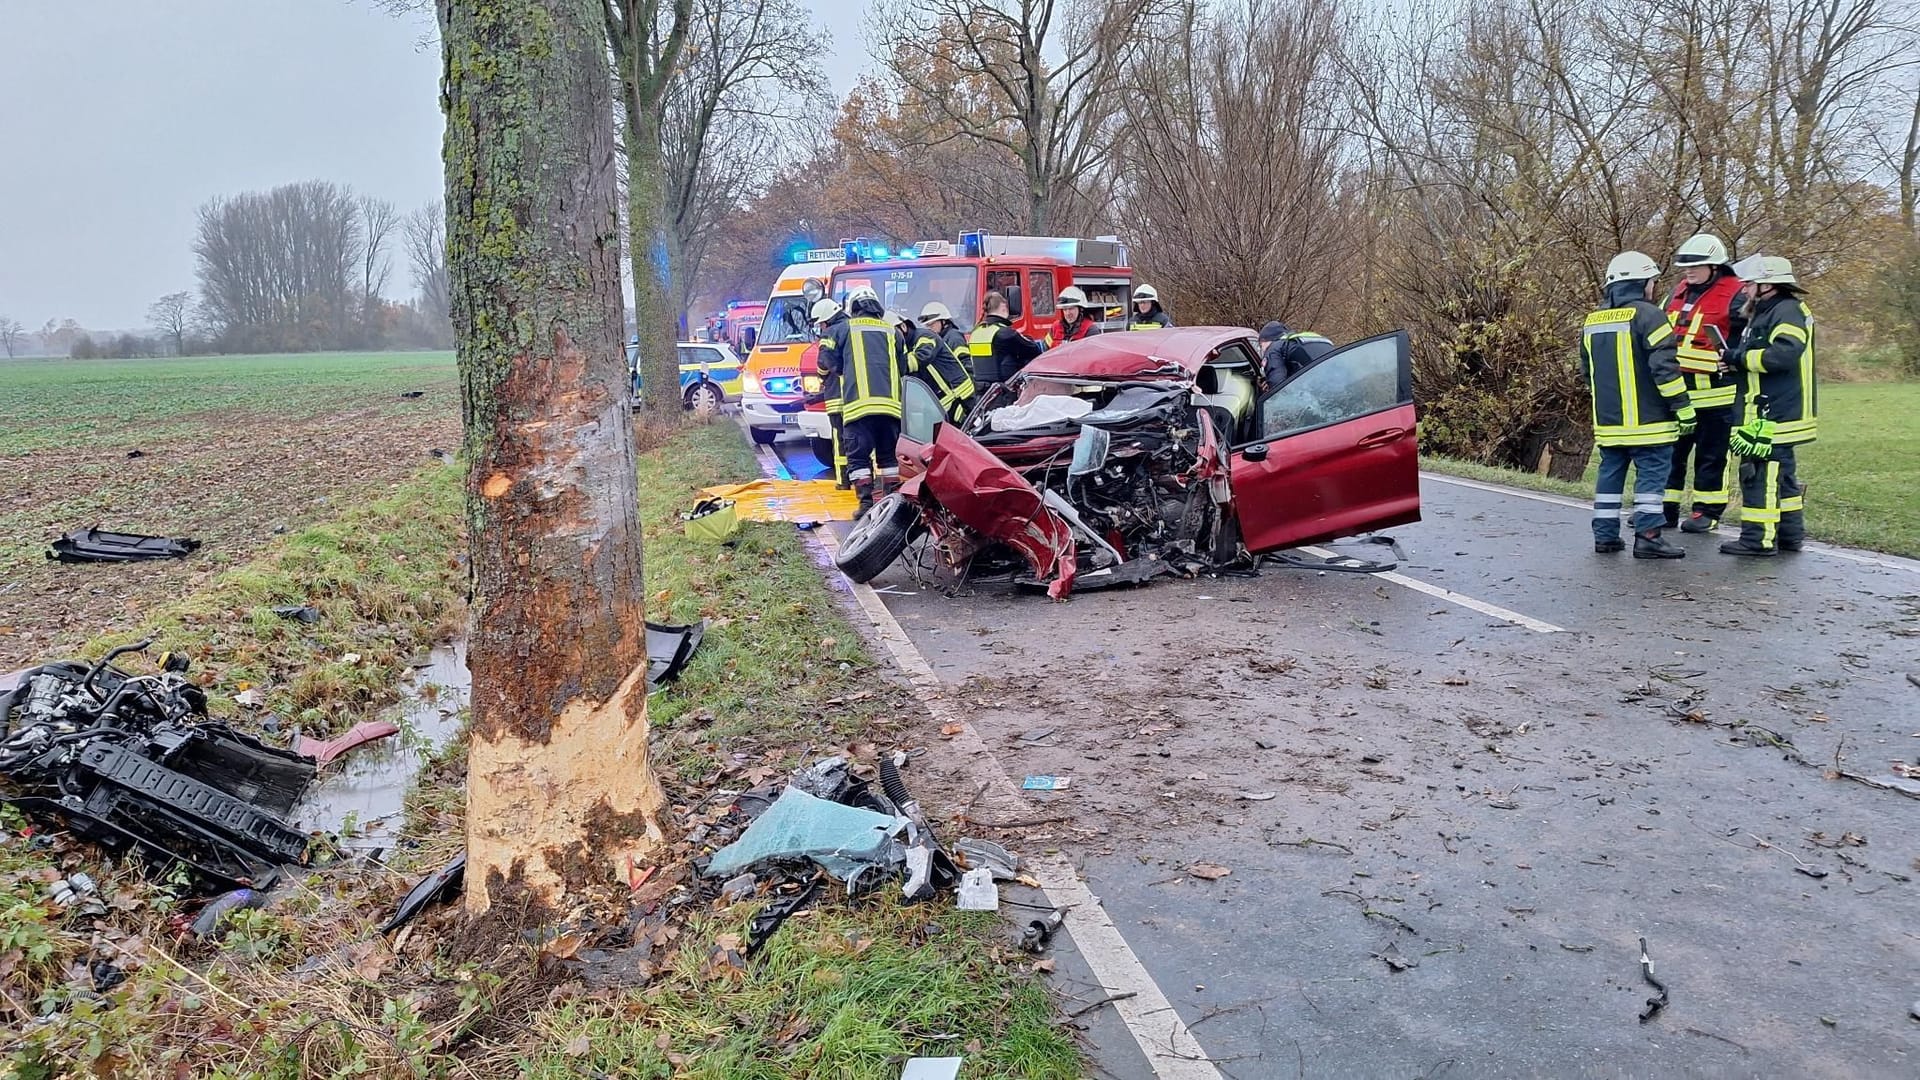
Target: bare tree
{"points": [[378, 219], [279, 270], [424, 235], [645, 39], [172, 316], [12, 334], [1051, 71], [561, 798]]}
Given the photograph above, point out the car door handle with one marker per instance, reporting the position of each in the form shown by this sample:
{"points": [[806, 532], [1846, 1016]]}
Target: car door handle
{"points": [[1381, 438]]}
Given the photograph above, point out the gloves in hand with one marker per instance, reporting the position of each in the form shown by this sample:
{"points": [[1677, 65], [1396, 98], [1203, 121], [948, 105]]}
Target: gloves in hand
{"points": [[1689, 419], [1753, 439]]}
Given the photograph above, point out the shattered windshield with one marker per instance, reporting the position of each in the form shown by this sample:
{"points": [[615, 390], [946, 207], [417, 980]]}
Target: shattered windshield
{"points": [[909, 289], [786, 322]]}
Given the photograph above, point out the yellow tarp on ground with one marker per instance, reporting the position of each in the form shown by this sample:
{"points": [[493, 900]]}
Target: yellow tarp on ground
{"points": [[799, 501]]}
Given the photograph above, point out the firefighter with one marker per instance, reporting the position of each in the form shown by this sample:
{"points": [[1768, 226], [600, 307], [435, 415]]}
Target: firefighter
{"points": [[826, 313], [1703, 304], [1147, 312], [999, 351], [927, 359], [1289, 352], [862, 354], [1074, 323], [1776, 403], [1640, 405], [938, 319]]}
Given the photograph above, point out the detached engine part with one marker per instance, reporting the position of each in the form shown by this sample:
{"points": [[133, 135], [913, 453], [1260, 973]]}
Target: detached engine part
{"points": [[133, 763]]}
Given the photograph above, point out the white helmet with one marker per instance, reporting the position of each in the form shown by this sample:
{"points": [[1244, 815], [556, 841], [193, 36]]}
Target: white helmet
{"points": [[824, 308], [1775, 270], [863, 292], [935, 312], [1145, 292], [1071, 297], [1632, 266], [1701, 249], [895, 318]]}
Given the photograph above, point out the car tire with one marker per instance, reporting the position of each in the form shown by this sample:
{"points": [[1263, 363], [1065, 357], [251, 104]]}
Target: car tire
{"points": [[822, 451], [877, 538], [704, 399], [763, 436]]}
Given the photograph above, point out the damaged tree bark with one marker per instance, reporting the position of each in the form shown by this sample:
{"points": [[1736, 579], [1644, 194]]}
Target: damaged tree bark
{"points": [[561, 800]]}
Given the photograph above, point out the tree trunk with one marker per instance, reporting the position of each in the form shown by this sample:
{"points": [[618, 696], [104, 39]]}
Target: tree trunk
{"points": [[560, 794], [655, 319]]}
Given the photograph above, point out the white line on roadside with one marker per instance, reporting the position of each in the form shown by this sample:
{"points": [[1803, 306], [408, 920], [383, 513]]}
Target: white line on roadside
{"points": [[1864, 558], [1169, 1047], [1451, 597]]}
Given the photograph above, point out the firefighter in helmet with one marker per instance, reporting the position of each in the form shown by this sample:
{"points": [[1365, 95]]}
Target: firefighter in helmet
{"points": [[1147, 313], [1707, 318], [928, 360], [1776, 402], [862, 355]]}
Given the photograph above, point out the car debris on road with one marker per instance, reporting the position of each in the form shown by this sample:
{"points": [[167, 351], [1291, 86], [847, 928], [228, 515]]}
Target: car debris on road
{"points": [[99, 545]]}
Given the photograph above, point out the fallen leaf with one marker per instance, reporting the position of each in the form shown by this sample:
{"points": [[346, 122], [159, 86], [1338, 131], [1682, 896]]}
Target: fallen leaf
{"points": [[1394, 960], [948, 731], [563, 947], [1044, 967], [1207, 871], [578, 1047], [829, 643]]}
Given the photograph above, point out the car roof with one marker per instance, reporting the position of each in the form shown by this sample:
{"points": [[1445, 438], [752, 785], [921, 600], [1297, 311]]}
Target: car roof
{"points": [[1123, 353]]}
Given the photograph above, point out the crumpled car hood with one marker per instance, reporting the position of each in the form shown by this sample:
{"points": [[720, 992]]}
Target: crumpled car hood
{"points": [[992, 499]]}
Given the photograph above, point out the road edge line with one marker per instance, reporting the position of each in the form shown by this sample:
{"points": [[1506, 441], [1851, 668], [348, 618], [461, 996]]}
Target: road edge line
{"points": [[1114, 963], [1538, 626]]}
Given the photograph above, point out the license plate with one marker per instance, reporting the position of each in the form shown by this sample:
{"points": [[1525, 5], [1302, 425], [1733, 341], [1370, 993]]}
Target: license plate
{"points": [[790, 419]]}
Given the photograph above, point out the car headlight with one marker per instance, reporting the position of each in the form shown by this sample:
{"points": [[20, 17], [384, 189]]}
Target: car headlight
{"points": [[811, 384], [750, 384]]}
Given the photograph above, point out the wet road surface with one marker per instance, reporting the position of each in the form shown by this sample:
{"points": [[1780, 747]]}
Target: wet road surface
{"points": [[1499, 812]]}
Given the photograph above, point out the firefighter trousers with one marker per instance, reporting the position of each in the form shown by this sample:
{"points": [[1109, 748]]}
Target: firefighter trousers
{"points": [[1772, 502], [1707, 446], [870, 447], [1650, 465]]}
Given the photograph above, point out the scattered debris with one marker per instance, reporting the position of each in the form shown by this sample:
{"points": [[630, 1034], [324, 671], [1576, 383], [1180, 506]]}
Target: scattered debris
{"points": [[1654, 1004], [250, 698], [978, 892], [843, 840], [714, 521], [770, 918], [98, 545], [131, 454], [738, 887], [1265, 744], [799, 501], [71, 889], [325, 751], [1576, 948], [305, 613], [1045, 783], [988, 855], [926, 1068], [217, 910], [1036, 735], [1394, 959], [1256, 796], [443, 884], [1038, 932], [1207, 871], [669, 650], [412, 395]]}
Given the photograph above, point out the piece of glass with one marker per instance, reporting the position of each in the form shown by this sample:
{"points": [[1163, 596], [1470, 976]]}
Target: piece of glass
{"points": [[799, 826]]}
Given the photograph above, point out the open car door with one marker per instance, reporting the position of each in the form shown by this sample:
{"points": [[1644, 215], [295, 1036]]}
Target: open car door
{"points": [[1334, 450]]}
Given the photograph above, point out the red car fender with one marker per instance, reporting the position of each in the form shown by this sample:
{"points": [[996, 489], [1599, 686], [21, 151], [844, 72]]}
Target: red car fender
{"points": [[985, 495]]}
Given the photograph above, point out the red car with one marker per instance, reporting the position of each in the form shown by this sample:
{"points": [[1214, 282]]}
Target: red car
{"points": [[1130, 455]]}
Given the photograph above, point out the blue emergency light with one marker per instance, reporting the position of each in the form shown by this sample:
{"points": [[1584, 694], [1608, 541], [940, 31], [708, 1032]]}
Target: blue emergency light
{"points": [[973, 245], [798, 254], [880, 251]]}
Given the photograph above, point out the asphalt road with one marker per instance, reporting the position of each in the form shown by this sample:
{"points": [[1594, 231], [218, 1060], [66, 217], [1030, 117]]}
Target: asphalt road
{"points": [[1501, 813]]}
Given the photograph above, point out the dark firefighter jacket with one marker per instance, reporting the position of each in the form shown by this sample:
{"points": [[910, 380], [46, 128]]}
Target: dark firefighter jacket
{"points": [[999, 351], [1694, 308], [1777, 363], [1157, 319], [1289, 355], [1627, 354], [860, 357], [930, 360]]}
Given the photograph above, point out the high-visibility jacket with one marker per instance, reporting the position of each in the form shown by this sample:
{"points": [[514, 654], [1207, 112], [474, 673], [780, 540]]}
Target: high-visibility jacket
{"points": [[932, 363], [1692, 309], [999, 351], [1157, 319], [1064, 331], [1627, 356], [1777, 361], [862, 356]]}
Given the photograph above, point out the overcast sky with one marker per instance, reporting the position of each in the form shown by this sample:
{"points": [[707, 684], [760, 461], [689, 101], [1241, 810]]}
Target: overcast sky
{"points": [[119, 117]]}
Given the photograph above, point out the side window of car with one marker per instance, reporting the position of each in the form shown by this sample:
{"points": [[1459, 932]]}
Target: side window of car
{"points": [[1042, 293], [919, 411], [1007, 284], [1352, 383]]}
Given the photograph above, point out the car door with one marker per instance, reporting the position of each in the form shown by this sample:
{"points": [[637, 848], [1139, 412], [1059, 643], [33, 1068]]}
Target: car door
{"points": [[1334, 450]]}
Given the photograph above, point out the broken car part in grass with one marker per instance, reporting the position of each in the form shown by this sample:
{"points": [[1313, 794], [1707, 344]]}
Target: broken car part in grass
{"points": [[100, 545], [1111, 462]]}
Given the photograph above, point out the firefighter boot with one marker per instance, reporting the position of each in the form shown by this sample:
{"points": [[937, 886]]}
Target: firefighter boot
{"points": [[1744, 546], [1793, 530], [1649, 545], [1700, 522], [1608, 547], [863, 490]]}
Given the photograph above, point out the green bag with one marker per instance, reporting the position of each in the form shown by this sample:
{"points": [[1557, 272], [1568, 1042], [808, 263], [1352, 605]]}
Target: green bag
{"points": [[712, 520]]}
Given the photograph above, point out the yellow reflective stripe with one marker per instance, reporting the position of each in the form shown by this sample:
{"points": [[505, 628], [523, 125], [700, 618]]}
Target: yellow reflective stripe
{"points": [[1710, 496], [1629, 387], [1712, 397], [1672, 387], [1755, 361], [1787, 330], [1660, 334]]}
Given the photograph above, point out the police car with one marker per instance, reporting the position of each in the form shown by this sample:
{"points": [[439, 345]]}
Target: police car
{"points": [[709, 374]]}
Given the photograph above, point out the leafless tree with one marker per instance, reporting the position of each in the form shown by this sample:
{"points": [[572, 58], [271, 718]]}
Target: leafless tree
{"points": [[279, 270], [12, 335], [378, 219], [424, 235], [172, 316], [1051, 72]]}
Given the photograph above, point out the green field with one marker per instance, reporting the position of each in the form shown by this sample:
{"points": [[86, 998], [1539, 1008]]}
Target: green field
{"points": [[1862, 475], [81, 403]]}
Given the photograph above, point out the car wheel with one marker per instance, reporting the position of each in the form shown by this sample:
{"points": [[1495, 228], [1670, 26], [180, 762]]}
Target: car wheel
{"points": [[704, 400], [877, 538], [763, 436], [822, 451]]}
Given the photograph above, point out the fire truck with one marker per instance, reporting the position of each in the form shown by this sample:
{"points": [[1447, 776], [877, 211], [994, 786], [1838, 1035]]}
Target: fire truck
{"points": [[1028, 270]]}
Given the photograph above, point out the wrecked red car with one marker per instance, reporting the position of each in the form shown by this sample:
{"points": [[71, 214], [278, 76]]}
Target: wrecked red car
{"points": [[1127, 456]]}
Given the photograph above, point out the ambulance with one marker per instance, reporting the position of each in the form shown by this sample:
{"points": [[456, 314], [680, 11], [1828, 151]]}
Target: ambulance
{"points": [[782, 369]]}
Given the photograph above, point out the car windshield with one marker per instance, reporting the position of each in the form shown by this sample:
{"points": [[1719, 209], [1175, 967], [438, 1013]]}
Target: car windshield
{"points": [[908, 289], [786, 322]]}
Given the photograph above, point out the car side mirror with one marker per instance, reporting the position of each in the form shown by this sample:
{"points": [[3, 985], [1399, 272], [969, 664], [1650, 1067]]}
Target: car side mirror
{"points": [[1016, 303], [1256, 452]]}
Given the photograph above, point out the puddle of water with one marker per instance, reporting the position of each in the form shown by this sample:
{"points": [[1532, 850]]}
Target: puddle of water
{"points": [[368, 786]]}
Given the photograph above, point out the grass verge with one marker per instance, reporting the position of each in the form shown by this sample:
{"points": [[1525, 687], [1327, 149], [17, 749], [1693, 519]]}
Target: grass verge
{"points": [[307, 987], [1860, 474]]}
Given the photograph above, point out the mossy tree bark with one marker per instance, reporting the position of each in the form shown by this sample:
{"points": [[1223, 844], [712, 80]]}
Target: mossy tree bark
{"points": [[560, 795]]}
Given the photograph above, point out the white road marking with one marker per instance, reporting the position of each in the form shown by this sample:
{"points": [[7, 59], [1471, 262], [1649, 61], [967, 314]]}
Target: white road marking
{"points": [[1864, 558], [1164, 1039], [1452, 597]]}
